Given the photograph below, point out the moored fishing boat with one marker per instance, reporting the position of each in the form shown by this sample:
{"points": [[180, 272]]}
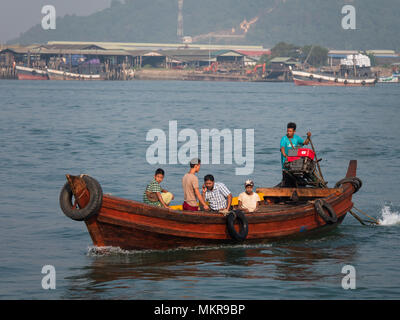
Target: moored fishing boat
{"points": [[128, 224], [303, 78], [353, 71], [64, 75], [25, 73]]}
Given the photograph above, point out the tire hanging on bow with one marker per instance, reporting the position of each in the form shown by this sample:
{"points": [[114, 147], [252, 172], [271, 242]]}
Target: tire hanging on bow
{"points": [[80, 214]]}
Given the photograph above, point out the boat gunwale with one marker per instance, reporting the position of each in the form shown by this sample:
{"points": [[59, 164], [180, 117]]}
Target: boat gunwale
{"points": [[213, 218], [204, 217]]}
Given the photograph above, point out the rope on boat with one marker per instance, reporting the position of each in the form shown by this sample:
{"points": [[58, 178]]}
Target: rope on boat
{"points": [[355, 181], [357, 184], [374, 221]]}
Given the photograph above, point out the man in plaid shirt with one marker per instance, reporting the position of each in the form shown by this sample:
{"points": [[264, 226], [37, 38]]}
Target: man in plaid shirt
{"points": [[217, 194]]}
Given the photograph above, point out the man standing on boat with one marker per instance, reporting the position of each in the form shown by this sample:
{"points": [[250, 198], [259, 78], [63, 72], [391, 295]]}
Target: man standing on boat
{"points": [[290, 141], [190, 185]]}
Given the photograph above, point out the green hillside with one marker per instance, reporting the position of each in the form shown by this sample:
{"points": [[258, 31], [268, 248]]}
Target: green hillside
{"points": [[294, 21]]}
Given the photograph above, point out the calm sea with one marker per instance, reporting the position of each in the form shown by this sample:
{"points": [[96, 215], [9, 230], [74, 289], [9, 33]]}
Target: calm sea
{"points": [[48, 129]]}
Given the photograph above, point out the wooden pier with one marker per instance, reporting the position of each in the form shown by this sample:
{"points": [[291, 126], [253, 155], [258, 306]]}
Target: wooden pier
{"points": [[8, 72]]}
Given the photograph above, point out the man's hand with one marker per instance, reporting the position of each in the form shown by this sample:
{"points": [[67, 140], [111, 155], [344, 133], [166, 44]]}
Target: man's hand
{"points": [[206, 207], [307, 141]]}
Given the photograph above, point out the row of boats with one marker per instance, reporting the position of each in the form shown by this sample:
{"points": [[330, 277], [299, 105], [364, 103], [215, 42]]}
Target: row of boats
{"points": [[300, 78]]}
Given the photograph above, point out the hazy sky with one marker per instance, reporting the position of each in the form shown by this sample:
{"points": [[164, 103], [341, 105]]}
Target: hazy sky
{"points": [[17, 16]]}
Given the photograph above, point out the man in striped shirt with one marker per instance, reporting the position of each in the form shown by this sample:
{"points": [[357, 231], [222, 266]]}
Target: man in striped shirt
{"points": [[217, 194]]}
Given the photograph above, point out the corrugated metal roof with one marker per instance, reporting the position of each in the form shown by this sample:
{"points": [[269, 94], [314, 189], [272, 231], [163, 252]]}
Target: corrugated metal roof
{"points": [[156, 46], [283, 59], [73, 46]]}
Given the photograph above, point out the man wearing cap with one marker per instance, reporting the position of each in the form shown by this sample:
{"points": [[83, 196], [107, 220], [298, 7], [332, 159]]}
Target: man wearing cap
{"points": [[217, 194], [190, 185], [249, 200]]}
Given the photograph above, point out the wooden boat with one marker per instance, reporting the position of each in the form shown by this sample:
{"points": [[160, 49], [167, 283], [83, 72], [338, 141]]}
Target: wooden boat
{"points": [[64, 75], [128, 224], [303, 78], [25, 73]]}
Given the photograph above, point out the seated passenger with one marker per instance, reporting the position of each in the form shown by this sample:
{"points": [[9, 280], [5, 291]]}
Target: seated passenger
{"points": [[217, 194], [156, 196], [248, 200]]}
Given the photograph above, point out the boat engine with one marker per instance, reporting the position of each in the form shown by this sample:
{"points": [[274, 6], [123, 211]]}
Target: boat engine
{"points": [[299, 168]]}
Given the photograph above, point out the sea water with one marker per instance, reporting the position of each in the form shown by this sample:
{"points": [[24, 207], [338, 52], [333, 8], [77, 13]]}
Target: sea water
{"points": [[50, 128]]}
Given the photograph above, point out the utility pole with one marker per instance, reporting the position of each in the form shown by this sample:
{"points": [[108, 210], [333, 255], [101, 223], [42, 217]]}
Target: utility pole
{"points": [[180, 20]]}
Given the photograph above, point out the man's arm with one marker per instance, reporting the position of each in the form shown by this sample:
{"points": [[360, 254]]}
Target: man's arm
{"points": [[242, 208], [201, 199], [161, 199], [307, 141], [227, 194], [283, 152], [229, 201]]}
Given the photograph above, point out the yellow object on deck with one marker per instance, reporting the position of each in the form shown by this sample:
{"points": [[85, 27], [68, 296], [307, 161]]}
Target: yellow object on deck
{"points": [[235, 202]]}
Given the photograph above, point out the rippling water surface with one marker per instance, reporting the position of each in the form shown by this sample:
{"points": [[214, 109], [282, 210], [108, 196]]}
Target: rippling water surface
{"points": [[48, 129]]}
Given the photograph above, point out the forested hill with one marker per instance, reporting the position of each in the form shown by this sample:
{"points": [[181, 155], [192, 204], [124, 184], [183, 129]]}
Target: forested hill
{"points": [[294, 21]]}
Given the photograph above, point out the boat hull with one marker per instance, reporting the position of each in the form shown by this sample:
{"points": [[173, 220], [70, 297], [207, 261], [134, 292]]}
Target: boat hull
{"points": [[302, 82], [24, 73], [63, 75], [133, 225], [302, 78]]}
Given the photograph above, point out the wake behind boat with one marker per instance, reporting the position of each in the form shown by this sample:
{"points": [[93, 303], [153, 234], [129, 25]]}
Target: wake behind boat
{"points": [[128, 224]]}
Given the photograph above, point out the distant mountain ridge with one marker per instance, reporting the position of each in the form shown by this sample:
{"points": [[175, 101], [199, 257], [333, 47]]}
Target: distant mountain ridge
{"points": [[295, 21]]}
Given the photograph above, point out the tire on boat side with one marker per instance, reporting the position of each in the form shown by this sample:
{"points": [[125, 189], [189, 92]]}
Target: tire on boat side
{"points": [[94, 205], [244, 226], [320, 205], [356, 182]]}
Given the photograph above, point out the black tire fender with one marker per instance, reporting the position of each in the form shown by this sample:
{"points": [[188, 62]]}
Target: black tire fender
{"points": [[244, 226], [320, 205], [94, 205], [356, 182]]}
